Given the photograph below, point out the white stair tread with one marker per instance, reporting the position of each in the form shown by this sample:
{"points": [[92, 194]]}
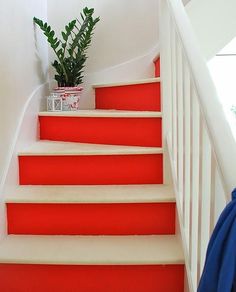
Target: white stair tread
{"points": [[104, 114], [91, 250], [141, 81], [50, 148], [90, 194]]}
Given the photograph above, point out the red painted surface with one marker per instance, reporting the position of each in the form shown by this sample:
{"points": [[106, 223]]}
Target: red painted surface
{"points": [[91, 170], [157, 68], [144, 97], [116, 131], [91, 219], [56, 278]]}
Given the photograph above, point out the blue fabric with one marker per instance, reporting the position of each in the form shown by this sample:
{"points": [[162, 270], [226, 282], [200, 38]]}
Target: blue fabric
{"points": [[220, 266]]}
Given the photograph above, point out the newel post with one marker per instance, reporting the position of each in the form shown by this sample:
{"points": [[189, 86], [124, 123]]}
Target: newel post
{"points": [[165, 57]]}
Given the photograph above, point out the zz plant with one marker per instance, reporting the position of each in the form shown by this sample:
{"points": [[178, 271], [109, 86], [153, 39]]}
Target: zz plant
{"points": [[71, 50]]}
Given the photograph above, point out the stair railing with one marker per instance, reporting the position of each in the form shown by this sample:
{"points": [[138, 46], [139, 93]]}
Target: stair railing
{"points": [[201, 147]]}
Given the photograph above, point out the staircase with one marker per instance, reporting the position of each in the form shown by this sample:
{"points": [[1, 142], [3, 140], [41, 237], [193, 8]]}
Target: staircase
{"points": [[91, 212]]}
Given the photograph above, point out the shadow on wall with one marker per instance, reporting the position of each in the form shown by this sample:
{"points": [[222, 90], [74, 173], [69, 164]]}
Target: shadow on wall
{"points": [[123, 45], [122, 34], [40, 70]]}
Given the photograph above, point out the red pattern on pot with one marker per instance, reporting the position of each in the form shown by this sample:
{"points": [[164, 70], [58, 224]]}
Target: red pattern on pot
{"points": [[70, 97]]}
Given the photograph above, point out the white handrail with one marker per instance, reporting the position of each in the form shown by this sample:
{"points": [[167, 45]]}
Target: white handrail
{"points": [[202, 149], [221, 135]]}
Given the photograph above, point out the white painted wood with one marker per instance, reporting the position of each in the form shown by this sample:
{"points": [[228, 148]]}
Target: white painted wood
{"points": [[103, 114], [180, 139], [90, 194], [220, 200], [166, 95], [188, 280], [135, 82], [213, 194], [195, 186], [166, 72], [48, 148], [206, 191], [200, 197], [91, 250], [165, 67], [202, 175], [210, 104], [187, 152], [174, 100]]}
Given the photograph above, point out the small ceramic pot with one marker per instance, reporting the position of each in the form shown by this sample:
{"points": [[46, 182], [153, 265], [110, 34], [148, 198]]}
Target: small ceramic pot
{"points": [[70, 97]]}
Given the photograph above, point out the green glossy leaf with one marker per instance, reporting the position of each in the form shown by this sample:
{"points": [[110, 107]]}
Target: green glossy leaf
{"points": [[71, 51], [64, 35]]}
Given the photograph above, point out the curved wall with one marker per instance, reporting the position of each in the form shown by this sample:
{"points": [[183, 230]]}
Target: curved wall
{"points": [[214, 22], [22, 70], [127, 29], [124, 43]]}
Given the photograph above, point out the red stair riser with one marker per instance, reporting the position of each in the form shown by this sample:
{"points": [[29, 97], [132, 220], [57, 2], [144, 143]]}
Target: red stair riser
{"points": [[115, 131], [65, 278], [140, 97], [91, 219], [91, 170], [157, 67]]}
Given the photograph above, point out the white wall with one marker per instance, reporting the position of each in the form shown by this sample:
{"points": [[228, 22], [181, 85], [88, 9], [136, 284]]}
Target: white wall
{"points": [[214, 22], [22, 70], [127, 29], [185, 2], [124, 42]]}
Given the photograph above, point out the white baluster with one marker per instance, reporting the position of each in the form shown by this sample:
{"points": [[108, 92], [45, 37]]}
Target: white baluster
{"points": [[206, 192], [187, 151], [174, 101], [180, 152], [195, 186]]}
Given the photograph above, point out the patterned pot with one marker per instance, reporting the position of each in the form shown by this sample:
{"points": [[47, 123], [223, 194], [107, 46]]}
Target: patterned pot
{"points": [[70, 97]]}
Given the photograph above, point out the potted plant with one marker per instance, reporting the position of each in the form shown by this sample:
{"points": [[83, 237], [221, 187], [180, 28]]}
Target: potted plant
{"points": [[71, 53]]}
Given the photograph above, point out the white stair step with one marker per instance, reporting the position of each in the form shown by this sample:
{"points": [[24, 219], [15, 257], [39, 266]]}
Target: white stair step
{"points": [[90, 194], [91, 250], [103, 114], [50, 148], [135, 82]]}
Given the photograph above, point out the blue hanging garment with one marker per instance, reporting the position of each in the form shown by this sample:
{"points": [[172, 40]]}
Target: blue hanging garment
{"points": [[220, 266]]}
